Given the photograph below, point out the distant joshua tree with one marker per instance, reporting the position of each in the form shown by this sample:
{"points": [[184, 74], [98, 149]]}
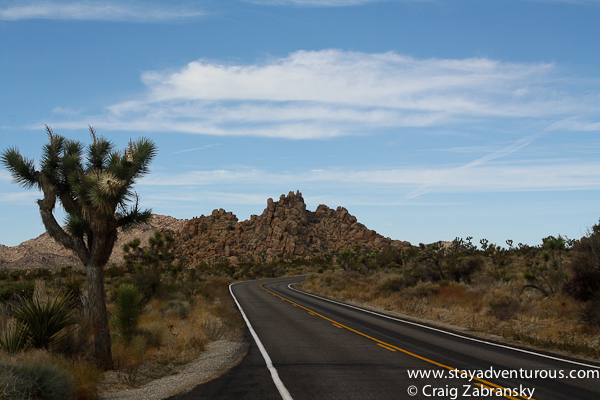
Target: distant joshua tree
{"points": [[95, 189]]}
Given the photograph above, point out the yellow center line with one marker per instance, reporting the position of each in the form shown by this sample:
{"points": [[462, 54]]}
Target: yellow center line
{"points": [[386, 347], [484, 383]]}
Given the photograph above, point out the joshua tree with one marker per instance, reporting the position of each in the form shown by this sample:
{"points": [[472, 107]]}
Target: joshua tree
{"points": [[94, 188]]}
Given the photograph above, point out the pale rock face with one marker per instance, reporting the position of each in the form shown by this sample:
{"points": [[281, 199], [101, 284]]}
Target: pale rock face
{"points": [[286, 229]]}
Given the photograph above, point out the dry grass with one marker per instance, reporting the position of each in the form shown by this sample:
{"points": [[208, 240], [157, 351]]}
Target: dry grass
{"points": [[485, 306], [172, 333]]}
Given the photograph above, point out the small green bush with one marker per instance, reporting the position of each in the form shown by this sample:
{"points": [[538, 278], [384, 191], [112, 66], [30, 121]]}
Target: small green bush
{"points": [[392, 285], [591, 311], [34, 380], [501, 305], [24, 289], [130, 305], [178, 309], [6, 292]]}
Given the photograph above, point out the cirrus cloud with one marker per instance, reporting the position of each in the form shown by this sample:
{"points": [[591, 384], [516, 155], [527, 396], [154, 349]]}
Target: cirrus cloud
{"points": [[330, 93], [96, 11]]}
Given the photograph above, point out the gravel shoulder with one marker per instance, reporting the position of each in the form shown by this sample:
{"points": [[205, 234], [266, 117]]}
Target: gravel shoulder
{"points": [[220, 356]]}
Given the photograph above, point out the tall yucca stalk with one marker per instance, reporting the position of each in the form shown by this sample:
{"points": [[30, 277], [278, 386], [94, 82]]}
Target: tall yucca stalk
{"points": [[94, 187]]}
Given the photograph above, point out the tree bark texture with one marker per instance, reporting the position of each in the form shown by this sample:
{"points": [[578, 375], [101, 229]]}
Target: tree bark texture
{"points": [[98, 314]]}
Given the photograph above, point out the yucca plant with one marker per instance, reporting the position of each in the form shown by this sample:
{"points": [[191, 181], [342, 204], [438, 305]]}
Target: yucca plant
{"points": [[73, 289], [14, 338], [94, 187], [130, 305], [44, 320]]}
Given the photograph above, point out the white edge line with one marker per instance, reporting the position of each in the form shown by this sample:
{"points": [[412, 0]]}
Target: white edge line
{"points": [[285, 395], [443, 331]]}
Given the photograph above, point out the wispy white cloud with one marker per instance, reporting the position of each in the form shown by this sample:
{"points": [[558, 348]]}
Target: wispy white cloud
{"points": [[20, 198], [575, 124], [329, 93], [111, 10], [491, 177], [208, 146]]}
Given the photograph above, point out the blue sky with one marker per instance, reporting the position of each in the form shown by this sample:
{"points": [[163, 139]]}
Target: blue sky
{"points": [[427, 120]]}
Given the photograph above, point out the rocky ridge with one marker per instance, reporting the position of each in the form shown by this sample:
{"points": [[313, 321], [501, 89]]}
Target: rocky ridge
{"points": [[285, 230]]}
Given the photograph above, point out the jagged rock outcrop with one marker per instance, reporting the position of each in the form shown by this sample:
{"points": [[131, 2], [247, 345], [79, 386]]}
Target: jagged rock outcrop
{"points": [[286, 229]]}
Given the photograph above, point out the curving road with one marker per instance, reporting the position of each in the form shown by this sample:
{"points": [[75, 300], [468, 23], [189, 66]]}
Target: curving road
{"points": [[306, 347]]}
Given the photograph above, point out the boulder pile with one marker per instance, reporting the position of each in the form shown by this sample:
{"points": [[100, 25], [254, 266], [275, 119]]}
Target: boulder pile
{"points": [[285, 230]]}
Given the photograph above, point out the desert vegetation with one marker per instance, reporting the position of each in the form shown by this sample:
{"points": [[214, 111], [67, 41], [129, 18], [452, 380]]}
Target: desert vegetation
{"points": [[547, 296], [161, 317]]}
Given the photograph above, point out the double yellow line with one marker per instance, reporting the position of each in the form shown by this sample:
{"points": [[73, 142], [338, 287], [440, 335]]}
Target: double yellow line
{"points": [[483, 383]]}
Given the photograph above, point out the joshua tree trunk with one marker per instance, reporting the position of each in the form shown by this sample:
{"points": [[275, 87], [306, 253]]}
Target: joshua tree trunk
{"points": [[99, 315], [94, 257]]}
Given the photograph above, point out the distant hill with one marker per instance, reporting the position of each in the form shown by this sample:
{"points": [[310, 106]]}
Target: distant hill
{"points": [[44, 252]]}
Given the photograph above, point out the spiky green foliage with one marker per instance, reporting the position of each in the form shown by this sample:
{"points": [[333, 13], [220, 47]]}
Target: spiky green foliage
{"points": [[21, 169], [44, 320], [130, 305], [14, 338], [93, 186]]}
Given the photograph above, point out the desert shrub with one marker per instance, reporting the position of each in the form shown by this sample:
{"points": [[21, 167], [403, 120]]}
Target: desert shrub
{"points": [[591, 311], [24, 289], [501, 304], [465, 268], [392, 285], [129, 356], [422, 289], [15, 274], [45, 321], [584, 281], [153, 335], [168, 290], [73, 289], [397, 283], [34, 380], [39, 273], [115, 271], [85, 380], [6, 292], [147, 281], [175, 308], [129, 306]]}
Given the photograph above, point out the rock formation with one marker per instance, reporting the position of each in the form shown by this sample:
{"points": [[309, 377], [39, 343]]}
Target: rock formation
{"points": [[285, 230]]}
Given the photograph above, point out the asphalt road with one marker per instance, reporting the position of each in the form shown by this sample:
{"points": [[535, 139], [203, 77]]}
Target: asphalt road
{"points": [[322, 350]]}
